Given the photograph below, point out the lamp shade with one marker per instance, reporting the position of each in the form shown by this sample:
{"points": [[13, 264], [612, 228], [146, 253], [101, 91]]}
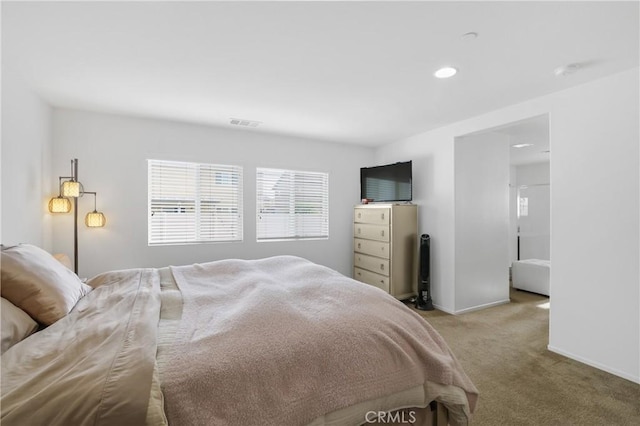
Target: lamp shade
{"points": [[59, 205], [95, 219], [71, 189]]}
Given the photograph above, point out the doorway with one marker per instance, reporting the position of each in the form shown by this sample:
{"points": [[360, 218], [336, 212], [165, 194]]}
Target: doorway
{"points": [[495, 169], [530, 188]]}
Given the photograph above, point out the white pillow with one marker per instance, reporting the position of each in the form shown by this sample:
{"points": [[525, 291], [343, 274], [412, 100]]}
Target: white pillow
{"points": [[34, 281], [16, 324]]}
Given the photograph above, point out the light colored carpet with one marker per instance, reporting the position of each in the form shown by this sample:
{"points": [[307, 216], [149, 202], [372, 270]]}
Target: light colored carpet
{"points": [[504, 351]]}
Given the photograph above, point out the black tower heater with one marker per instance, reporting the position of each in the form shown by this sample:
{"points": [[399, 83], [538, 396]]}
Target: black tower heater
{"points": [[423, 301]]}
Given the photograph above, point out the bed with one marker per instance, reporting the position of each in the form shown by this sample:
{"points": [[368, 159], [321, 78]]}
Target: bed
{"points": [[531, 275], [275, 341]]}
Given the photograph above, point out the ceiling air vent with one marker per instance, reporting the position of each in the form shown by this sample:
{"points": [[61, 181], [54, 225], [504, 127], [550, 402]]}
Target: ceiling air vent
{"points": [[243, 122]]}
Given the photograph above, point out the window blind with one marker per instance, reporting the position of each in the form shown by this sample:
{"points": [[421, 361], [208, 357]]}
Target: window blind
{"points": [[194, 203], [291, 204]]}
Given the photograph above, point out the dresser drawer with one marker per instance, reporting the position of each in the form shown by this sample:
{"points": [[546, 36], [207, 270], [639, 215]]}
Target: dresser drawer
{"points": [[374, 248], [371, 232], [370, 263], [376, 216], [376, 280]]}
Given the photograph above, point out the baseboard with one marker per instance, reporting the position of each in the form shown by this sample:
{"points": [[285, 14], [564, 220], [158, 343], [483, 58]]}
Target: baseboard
{"points": [[474, 308], [595, 364], [440, 308], [479, 307]]}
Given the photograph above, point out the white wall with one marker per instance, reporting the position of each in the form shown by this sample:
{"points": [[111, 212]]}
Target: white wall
{"points": [[432, 154], [481, 221], [26, 164], [595, 214], [112, 153]]}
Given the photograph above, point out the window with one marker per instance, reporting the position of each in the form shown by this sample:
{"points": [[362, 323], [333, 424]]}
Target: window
{"points": [[194, 203], [523, 206], [292, 205]]}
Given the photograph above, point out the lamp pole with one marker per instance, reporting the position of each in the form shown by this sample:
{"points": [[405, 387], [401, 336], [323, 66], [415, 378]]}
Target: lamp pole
{"points": [[74, 168], [72, 188]]}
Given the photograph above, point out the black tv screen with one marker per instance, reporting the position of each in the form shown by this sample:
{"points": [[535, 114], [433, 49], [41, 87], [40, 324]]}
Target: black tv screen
{"points": [[391, 182]]}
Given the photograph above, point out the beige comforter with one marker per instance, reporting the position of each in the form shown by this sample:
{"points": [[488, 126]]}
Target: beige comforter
{"points": [[283, 341], [277, 341]]}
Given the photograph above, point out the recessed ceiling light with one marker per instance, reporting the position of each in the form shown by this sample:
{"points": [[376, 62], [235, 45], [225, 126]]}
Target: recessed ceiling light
{"points": [[445, 72], [521, 145]]}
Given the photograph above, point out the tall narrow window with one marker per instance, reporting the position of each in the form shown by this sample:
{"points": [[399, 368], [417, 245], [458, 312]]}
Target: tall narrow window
{"points": [[292, 205], [193, 203]]}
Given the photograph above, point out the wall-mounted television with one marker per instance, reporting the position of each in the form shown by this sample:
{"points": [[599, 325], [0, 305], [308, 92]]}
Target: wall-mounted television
{"points": [[391, 182]]}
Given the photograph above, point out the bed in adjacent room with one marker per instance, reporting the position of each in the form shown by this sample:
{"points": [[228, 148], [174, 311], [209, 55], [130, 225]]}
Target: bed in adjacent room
{"points": [[531, 275], [276, 341]]}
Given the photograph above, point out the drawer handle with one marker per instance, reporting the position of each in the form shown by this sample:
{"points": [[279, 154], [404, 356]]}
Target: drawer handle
{"points": [[359, 215], [382, 215], [381, 281], [359, 244], [382, 233], [358, 230], [359, 273], [382, 266]]}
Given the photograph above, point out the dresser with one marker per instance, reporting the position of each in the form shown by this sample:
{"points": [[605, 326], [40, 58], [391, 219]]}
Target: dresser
{"points": [[386, 247]]}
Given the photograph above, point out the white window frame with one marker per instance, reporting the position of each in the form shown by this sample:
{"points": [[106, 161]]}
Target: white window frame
{"points": [[193, 203], [298, 210]]}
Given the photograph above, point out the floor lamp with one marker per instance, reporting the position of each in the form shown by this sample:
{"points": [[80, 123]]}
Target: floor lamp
{"points": [[70, 187]]}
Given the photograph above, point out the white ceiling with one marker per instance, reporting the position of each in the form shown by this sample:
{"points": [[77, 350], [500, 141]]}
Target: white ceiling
{"points": [[533, 132], [355, 72]]}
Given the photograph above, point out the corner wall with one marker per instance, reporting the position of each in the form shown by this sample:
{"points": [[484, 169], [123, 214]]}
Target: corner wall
{"points": [[432, 154], [481, 221], [595, 214], [112, 154]]}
